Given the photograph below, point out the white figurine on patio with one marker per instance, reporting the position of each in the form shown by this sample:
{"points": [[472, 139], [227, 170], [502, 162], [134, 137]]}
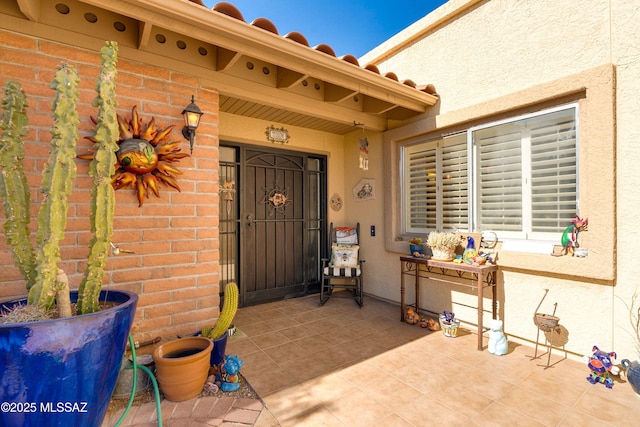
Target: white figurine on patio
{"points": [[498, 344]]}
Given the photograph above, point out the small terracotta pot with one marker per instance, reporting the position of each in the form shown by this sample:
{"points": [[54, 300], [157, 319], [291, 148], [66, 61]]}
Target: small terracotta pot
{"points": [[182, 367]]}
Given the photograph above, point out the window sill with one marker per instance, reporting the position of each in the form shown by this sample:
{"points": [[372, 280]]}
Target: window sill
{"points": [[528, 246]]}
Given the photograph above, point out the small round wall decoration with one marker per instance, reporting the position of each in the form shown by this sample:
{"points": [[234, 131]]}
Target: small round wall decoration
{"points": [[335, 202]]}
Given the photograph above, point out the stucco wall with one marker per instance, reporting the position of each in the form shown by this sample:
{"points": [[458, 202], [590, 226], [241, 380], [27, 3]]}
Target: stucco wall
{"points": [[492, 60]]}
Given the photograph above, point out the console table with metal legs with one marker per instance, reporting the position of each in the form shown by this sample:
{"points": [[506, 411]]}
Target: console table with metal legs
{"points": [[480, 277]]}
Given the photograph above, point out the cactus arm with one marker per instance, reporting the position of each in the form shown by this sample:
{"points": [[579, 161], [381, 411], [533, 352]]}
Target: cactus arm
{"points": [[101, 170], [14, 189], [229, 309], [57, 183]]}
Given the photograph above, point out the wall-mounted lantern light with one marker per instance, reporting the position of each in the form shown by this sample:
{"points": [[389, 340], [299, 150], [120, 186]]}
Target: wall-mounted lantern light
{"points": [[192, 116]]}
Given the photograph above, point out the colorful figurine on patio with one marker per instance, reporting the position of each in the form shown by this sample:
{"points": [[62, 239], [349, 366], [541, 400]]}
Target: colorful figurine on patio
{"points": [[498, 344], [229, 373], [602, 367], [569, 238]]}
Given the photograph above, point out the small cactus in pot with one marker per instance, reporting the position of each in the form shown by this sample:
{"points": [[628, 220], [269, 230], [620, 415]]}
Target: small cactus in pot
{"points": [[46, 283]]}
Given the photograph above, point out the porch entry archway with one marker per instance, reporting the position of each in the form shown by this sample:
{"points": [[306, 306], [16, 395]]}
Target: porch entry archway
{"points": [[272, 219]]}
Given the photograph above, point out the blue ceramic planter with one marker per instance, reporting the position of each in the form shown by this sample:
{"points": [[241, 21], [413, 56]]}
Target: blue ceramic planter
{"points": [[415, 248], [219, 349], [62, 372]]}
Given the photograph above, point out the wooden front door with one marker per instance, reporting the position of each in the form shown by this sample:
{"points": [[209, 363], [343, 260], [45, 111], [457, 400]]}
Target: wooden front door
{"points": [[271, 232]]}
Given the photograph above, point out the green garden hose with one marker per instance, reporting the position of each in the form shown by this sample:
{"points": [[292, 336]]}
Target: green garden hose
{"points": [[134, 385]]}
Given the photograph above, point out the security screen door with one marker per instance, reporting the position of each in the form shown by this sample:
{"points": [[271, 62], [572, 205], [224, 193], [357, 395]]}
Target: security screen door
{"points": [[272, 217]]}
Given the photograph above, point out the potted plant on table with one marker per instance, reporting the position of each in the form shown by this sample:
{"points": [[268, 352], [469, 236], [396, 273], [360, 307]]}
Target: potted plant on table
{"points": [[443, 245], [63, 369], [415, 246]]}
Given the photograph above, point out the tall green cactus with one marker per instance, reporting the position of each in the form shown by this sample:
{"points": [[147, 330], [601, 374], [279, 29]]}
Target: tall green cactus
{"points": [[14, 189], [101, 170], [57, 183], [45, 281]]}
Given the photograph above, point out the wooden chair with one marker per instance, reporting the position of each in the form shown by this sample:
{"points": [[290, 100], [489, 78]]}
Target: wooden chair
{"points": [[344, 269]]}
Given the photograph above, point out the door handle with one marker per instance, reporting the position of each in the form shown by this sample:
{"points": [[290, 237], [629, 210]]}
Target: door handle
{"points": [[249, 220]]}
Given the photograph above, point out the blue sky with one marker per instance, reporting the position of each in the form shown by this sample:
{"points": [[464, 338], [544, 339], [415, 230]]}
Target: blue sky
{"points": [[348, 26]]}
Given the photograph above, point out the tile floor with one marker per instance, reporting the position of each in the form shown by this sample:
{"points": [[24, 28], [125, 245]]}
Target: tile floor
{"points": [[339, 365]]}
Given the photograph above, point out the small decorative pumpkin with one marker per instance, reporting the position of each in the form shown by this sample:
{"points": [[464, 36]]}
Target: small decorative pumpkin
{"points": [[433, 325], [412, 317]]}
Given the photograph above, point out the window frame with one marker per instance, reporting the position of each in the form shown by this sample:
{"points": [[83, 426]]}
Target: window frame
{"points": [[526, 234]]}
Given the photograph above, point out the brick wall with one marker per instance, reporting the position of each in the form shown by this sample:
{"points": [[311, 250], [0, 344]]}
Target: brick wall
{"points": [[174, 267]]}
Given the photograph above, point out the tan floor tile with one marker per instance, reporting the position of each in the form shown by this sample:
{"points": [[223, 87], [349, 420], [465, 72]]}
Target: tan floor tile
{"points": [[314, 343], [357, 409], [304, 368], [621, 393], [317, 416], [564, 394], [431, 413], [364, 373], [296, 332], [269, 380], [284, 352], [393, 420], [270, 339], [282, 322], [535, 405], [256, 362], [290, 401], [393, 393], [328, 387], [608, 410], [241, 346], [580, 419], [457, 397], [337, 355], [255, 329], [498, 415], [479, 381]]}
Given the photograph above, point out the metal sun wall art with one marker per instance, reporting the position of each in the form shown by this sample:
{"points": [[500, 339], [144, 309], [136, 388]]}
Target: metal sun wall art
{"points": [[144, 157]]}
